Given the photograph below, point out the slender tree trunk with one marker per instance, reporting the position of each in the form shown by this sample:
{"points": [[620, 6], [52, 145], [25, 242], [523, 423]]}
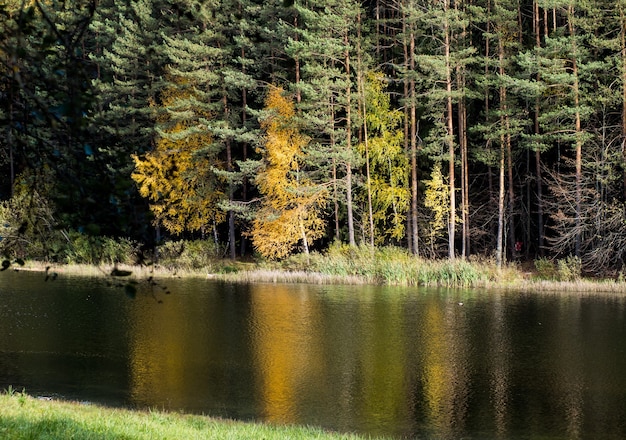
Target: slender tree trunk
{"points": [[334, 170], [622, 16], [231, 189], [450, 133], [244, 105], [349, 205], [462, 121], [505, 139], [540, 232], [414, 183], [406, 125], [500, 236], [10, 142], [578, 128], [462, 130], [511, 187], [305, 241], [367, 172], [363, 104]]}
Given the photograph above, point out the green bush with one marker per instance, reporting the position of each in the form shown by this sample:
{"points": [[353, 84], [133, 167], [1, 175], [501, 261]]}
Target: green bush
{"points": [[188, 254], [569, 269], [86, 249], [546, 270], [566, 269]]}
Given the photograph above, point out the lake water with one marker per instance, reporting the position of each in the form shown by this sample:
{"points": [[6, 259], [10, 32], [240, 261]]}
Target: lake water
{"points": [[400, 362]]}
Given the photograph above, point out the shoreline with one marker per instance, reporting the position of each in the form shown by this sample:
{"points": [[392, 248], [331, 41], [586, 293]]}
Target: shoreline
{"points": [[512, 280]]}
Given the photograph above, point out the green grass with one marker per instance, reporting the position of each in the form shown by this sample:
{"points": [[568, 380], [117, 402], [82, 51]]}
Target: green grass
{"points": [[25, 417]]}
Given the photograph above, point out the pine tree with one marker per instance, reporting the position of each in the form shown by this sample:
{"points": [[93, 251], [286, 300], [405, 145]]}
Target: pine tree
{"points": [[506, 120], [327, 85], [444, 26], [561, 63]]}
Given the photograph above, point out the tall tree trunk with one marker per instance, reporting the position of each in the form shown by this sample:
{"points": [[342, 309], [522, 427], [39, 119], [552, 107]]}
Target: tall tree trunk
{"points": [[462, 127], [506, 140], [462, 132], [413, 116], [231, 190], [349, 204], [406, 125], [244, 115], [538, 177], [622, 16], [334, 170], [578, 128], [501, 195], [511, 186], [10, 142], [450, 132], [363, 105]]}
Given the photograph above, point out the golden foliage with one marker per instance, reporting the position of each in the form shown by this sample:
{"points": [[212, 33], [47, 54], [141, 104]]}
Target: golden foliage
{"points": [[290, 210], [437, 199], [389, 166], [177, 178]]}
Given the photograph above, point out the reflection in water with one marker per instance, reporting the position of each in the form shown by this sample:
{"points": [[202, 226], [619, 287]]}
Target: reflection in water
{"points": [[283, 323], [390, 361], [159, 352], [499, 355]]}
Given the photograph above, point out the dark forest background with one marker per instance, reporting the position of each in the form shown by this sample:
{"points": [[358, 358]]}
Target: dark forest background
{"points": [[450, 128]]}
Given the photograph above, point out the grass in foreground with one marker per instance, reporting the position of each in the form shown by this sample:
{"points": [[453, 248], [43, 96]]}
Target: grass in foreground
{"points": [[26, 417]]}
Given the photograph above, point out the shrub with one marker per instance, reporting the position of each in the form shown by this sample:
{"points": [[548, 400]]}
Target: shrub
{"points": [[546, 269], [86, 249], [569, 269], [188, 254]]}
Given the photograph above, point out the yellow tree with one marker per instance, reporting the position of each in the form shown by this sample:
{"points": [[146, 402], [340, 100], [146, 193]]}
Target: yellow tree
{"points": [[177, 175], [291, 206], [437, 199], [387, 165]]}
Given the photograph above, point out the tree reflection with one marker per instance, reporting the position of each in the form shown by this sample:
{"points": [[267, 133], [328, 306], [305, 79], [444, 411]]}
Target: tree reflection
{"points": [[285, 332]]}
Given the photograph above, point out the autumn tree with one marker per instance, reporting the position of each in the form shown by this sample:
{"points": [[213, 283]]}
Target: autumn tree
{"points": [[436, 200], [291, 207], [177, 175], [386, 161]]}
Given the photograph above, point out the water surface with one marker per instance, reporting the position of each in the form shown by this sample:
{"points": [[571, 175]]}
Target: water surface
{"points": [[401, 362]]}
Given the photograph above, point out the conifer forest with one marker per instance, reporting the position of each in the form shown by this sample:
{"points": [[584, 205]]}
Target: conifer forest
{"points": [[450, 128]]}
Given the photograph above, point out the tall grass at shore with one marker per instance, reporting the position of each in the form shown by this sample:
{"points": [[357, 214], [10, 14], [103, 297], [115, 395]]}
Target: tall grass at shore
{"points": [[396, 266], [24, 417], [343, 264]]}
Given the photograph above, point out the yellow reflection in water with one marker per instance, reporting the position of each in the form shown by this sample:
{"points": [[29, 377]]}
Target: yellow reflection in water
{"points": [[446, 367], [384, 359], [161, 351], [283, 341]]}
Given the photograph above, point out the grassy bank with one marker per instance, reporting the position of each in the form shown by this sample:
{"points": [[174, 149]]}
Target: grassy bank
{"points": [[342, 264], [25, 417]]}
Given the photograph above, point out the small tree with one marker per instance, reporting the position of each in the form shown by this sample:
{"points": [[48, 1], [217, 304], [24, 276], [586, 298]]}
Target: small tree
{"points": [[436, 198]]}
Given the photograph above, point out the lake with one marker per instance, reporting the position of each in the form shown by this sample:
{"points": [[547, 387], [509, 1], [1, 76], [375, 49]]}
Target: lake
{"points": [[399, 362]]}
